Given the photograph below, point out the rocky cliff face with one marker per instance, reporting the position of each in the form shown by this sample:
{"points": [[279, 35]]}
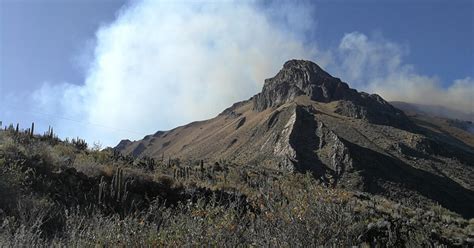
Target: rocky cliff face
{"points": [[306, 120], [298, 78], [301, 77]]}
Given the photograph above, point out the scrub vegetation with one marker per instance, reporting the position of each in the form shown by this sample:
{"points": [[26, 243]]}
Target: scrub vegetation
{"points": [[64, 193]]}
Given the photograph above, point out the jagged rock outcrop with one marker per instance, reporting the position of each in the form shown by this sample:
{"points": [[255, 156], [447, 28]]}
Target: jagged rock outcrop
{"points": [[332, 150], [301, 77], [282, 147]]}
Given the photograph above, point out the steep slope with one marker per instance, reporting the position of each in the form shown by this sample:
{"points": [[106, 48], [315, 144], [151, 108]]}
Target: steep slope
{"points": [[306, 120]]}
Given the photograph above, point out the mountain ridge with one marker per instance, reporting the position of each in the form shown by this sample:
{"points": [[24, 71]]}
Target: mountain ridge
{"points": [[306, 120]]}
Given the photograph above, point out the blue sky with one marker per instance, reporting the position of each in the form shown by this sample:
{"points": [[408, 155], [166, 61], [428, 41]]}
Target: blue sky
{"points": [[439, 34], [107, 70], [46, 40]]}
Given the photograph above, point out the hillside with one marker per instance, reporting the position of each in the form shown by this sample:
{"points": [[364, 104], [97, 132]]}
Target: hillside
{"points": [[306, 120], [61, 193]]}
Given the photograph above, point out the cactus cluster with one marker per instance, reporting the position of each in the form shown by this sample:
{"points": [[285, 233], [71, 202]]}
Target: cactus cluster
{"points": [[19, 134], [181, 173], [50, 133], [115, 195], [184, 171], [147, 163], [79, 143], [119, 187], [117, 156]]}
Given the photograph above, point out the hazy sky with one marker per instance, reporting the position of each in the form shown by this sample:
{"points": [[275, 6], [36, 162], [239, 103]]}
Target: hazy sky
{"points": [[107, 70]]}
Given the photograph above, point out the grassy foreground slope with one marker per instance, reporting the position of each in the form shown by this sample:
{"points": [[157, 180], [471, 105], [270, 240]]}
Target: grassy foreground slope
{"points": [[61, 193]]}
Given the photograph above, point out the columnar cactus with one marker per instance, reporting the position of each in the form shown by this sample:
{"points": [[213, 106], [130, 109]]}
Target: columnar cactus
{"points": [[118, 185], [102, 188], [174, 174], [32, 131]]}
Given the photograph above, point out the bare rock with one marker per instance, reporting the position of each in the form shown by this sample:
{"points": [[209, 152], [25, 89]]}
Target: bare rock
{"points": [[301, 77]]}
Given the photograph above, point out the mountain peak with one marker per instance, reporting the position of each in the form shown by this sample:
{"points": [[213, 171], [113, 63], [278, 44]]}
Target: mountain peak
{"points": [[304, 66], [306, 78], [299, 77]]}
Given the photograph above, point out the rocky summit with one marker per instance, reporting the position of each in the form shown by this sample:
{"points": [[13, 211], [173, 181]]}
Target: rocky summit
{"points": [[307, 120], [300, 77]]}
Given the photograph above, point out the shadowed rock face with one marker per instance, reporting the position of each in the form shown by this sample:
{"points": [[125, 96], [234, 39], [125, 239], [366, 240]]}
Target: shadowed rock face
{"points": [[123, 144], [301, 77]]}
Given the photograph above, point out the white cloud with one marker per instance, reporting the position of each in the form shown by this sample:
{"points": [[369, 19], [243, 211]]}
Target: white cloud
{"points": [[54, 98], [161, 64], [376, 65], [363, 58]]}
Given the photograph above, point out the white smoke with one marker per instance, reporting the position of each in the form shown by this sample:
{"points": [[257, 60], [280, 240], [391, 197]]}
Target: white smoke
{"points": [[161, 64], [376, 65]]}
